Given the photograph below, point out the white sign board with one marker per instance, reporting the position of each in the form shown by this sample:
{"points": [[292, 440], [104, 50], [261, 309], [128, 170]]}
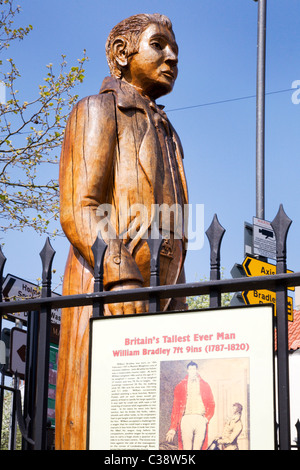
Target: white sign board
{"points": [[18, 342], [140, 367], [16, 288], [264, 241]]}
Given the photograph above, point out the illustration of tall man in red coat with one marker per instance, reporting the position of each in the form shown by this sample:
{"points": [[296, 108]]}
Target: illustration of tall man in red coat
{"points": [[193, 408]]}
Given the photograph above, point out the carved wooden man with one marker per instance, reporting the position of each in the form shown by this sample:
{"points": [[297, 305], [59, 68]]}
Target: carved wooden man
{"points": [[120, 152]]}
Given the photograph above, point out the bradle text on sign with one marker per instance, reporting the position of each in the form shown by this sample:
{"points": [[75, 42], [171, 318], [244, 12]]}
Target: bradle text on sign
{"points": [[264, 296]]}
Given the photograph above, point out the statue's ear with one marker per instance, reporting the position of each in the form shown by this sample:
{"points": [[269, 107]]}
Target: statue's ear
{"points": [[120, 51]]}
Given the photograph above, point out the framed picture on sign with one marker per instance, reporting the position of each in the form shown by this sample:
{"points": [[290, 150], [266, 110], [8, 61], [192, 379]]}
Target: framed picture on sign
{"points": [[194, 380]]}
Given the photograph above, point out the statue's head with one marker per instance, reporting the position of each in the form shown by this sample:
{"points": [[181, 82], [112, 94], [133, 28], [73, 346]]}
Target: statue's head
{"points": [[142, 50]]}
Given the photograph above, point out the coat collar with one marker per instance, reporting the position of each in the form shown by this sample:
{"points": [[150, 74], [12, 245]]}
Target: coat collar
{"points": [[128, 97]]}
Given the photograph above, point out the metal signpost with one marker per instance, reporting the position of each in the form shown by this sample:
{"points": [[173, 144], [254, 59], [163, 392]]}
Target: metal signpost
{"points": [[260, 109]]}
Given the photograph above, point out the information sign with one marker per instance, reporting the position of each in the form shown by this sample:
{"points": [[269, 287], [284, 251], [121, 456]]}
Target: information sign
{"points": [[52, 382], [138, 377], [264, 241]]}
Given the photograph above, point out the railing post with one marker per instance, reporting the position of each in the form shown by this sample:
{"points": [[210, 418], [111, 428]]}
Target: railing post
{"points": [[98, 249], [155, 243], [215, 234], [42, 378], [2, 263], [30, 378], [297, 425], [13, 420], [281, 225]]}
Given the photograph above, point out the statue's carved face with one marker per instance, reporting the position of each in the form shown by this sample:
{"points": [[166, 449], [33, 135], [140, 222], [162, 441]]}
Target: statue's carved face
{"points": [[153, 69]]}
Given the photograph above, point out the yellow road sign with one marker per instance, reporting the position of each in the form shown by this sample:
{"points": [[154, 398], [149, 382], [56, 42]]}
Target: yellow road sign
{"points": [[256, 267], [266, 297]]}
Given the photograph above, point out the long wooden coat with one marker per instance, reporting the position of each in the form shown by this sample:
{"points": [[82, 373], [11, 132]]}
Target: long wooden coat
{"points": [[119, 149]]}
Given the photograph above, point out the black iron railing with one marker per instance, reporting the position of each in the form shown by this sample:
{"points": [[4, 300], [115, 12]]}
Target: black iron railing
{"points": [[33, 419]]}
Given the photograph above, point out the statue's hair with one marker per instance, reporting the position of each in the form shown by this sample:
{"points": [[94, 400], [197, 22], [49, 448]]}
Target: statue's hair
{"points": [[131, 29]]}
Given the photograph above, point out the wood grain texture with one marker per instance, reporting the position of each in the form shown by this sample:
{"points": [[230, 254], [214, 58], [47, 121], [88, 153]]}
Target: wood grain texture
{"points": [[119, 149]]}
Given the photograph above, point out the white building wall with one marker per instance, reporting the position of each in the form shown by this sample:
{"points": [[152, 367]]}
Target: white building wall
{"points": [[294, 366], [297, 297]]}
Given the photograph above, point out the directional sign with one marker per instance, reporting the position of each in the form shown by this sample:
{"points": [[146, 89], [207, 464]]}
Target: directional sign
{"points": [[266, 297], [16, 288], [18, 352], [256, 267]]}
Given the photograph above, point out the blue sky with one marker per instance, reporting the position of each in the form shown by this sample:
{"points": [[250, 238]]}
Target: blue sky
{"points": [[211, 107]]}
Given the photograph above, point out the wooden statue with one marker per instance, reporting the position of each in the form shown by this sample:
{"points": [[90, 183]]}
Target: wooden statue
{"points": [[120, 153]]}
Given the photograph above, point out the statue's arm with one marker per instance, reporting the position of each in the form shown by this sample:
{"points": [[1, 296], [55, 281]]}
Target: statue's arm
{"points": [[86, 169]]}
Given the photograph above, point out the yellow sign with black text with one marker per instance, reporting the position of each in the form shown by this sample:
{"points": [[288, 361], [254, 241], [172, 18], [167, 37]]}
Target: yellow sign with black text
{"points": [[256, 267], [266, 297]]}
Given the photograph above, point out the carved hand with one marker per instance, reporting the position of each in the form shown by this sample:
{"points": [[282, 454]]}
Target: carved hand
{"points": [[128, 308]]}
